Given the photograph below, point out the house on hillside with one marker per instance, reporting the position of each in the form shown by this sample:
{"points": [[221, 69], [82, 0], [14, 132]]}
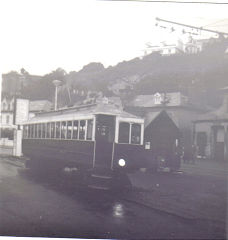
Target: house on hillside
{"points": [[211, 132], [166, 49], [177, 106]]}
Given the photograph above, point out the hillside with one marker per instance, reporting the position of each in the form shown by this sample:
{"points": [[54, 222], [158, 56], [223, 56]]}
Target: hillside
{"points": [[198, 76]]}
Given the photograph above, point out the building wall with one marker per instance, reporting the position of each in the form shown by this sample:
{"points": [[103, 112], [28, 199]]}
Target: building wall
{"points": [[217, 139], [7, 106]]}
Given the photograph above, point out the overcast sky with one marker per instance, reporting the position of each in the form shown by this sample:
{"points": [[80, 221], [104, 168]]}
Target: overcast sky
{"points": [[42, 35]]}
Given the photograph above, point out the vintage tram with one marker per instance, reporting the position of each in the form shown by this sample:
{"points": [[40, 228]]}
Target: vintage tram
{"points": [[97, 139], [94, 138]]}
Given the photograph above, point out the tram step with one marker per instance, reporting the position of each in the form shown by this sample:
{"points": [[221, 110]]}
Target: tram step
{"points": [[98, 187], [101, 176], [100, 181]]}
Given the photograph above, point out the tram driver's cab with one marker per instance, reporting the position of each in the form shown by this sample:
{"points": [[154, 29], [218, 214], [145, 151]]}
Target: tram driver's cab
{"points": [[105, 128], [115, 136]]}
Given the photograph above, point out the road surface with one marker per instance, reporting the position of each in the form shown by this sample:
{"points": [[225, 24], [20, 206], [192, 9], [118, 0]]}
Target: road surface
{"points": [[29, 207]]}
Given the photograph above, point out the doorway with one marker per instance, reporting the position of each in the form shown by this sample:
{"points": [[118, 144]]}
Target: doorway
{"points": [[104, 136]]}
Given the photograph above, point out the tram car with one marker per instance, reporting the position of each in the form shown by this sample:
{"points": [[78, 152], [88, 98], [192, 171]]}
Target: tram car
{"points": [[98, 139], [95, 138]]}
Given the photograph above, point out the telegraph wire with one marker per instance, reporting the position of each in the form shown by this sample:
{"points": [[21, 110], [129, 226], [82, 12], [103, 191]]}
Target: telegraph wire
{"points": [[171, 1]]}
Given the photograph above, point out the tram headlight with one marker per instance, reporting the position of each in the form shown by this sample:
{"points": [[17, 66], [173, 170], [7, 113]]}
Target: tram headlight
{"points": [[122, 162]]}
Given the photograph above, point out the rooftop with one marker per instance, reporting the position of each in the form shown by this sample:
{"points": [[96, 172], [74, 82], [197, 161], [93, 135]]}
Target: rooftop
{"points": [[40, 105]]}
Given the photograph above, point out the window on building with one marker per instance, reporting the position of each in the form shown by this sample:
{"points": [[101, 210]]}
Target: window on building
{"points": [[4, 106], [124, 131], [135, 133], [201, 141], [75, 129], [89, 129], [157, 98], [7, 119]]}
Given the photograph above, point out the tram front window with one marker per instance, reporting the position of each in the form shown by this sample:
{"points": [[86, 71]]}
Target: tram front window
{"points": [[89, 129], [124, 132], [135, 133], [105, 128]]}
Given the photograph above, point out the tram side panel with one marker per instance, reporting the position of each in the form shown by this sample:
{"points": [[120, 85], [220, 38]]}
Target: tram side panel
{"points": [[57, 154]]}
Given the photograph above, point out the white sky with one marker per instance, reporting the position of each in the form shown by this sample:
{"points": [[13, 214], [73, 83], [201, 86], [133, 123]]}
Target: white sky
{"points": [[42, 35]]}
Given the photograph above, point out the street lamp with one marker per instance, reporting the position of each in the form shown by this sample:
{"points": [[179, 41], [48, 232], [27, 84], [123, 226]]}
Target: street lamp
{"points": [[57, 83]]}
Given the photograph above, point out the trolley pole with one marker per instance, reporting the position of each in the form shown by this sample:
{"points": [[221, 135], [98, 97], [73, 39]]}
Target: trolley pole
{"points": [[57, 84]]}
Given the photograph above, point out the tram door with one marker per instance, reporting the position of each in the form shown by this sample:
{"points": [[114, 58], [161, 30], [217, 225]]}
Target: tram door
{"points": [[105, 134]]}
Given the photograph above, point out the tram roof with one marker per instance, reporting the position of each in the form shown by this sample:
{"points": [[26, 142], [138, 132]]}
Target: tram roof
{"points": [[82, 112]]}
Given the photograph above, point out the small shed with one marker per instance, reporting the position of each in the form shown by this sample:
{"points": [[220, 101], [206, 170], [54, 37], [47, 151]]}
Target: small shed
{"points": [[161, 132]]}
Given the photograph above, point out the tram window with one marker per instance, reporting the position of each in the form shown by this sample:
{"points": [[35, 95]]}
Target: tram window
{"points": [[75, 130], [82, 129], [30, 131], [43, 130], [69, 130], [124, 131], [89, 129], [57, 129], [135, 133], [48, 130], [34, 130], [39, 130], [52, 130], [27, 131], [24, 131], [63, 130]]}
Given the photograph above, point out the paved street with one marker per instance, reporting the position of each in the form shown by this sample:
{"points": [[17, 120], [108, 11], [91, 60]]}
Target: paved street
{"points": [[158, 206]]}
